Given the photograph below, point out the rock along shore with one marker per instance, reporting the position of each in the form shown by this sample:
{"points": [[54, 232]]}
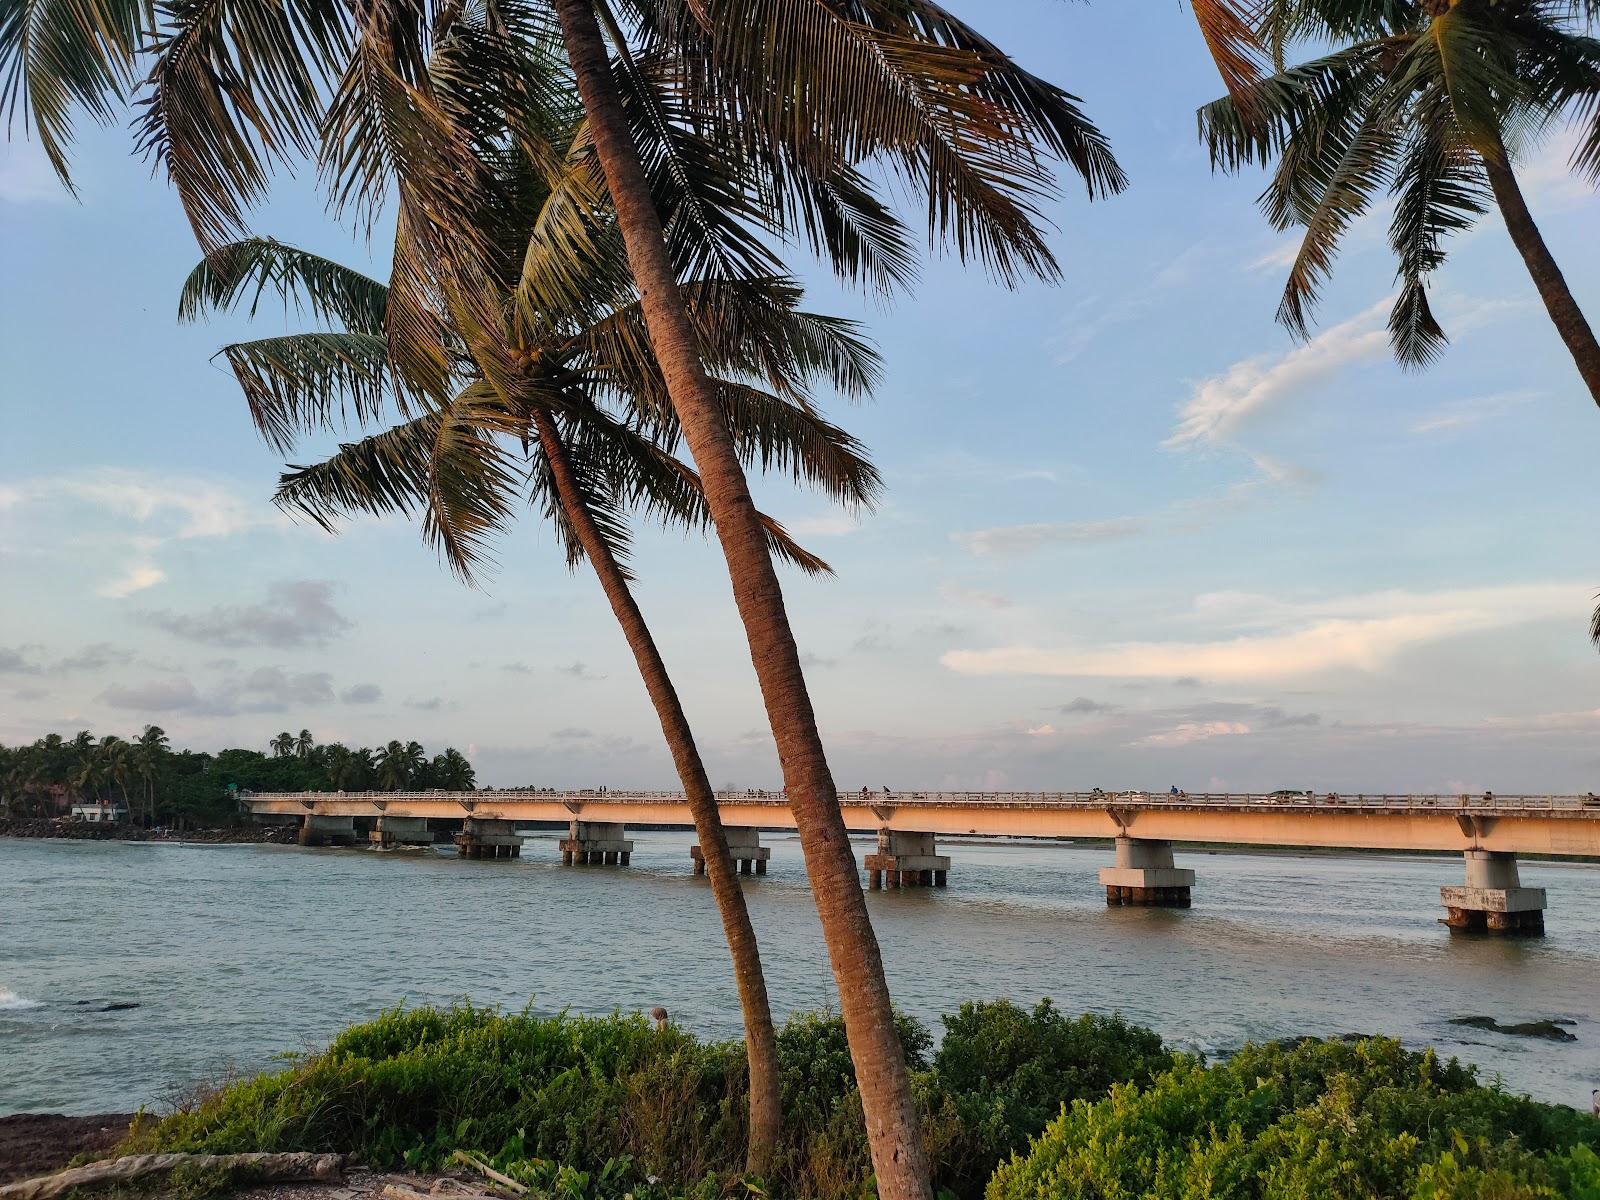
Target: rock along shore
{"points": [[55, 827]]}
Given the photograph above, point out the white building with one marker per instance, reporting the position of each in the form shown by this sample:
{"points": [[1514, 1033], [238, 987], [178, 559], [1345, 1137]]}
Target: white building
{"points": [[100, 812]]}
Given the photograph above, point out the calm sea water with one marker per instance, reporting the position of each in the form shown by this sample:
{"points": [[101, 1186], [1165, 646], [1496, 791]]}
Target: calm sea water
{"points": [[235, 954]]}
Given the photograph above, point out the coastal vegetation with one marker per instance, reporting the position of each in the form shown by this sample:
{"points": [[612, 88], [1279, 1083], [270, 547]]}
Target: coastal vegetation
{"points": [[676, 148], [1012, 1104], [194, 789]]}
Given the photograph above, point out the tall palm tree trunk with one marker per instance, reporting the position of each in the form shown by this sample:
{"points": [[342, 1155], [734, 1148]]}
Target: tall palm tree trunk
{"points": [[761, 1040], [1569, 320], [898, 1159]]}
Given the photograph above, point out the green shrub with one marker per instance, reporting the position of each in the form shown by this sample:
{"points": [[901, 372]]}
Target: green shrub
{"points": [[612, 1103], [1308, 1120], [1002, 1074]]}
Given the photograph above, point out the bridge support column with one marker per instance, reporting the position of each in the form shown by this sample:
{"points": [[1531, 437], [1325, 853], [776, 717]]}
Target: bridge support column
{"points": [[906, 859], [401, 831], [1494, 900], [327, 831], [1145, 875], [487, 837], [745, 848], [596, 843]]}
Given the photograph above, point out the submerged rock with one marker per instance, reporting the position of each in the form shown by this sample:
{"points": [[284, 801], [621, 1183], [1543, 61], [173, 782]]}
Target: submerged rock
{"points": [[1550, 1030]]}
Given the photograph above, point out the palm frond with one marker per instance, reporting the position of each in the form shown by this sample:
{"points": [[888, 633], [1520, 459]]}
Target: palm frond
{"points": [[59, 56], [443, 464], [624, 467], [333, 292], [310, 382], [1439, 189], [236, 88]]}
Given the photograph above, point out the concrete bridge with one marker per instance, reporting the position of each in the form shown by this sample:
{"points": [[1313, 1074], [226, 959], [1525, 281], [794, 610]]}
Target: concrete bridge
{"points": [[1488, 831]]}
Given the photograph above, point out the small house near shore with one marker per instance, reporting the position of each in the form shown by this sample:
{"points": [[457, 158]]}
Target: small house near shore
{"points": [[100, 812]]}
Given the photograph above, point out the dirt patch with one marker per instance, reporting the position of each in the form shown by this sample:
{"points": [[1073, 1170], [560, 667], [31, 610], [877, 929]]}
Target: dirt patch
{"points": [[38, 1143]]}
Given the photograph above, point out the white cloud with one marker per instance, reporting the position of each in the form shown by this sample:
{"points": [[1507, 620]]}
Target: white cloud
{"points": [[1221, 403], [135, 580], [1458, 414], [1042, 731], [187, 507], [1192, 731], [1018, 539], [1362, 633]]}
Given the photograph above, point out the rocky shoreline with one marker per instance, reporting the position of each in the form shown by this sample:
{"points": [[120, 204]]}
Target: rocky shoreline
{"points": [[55, 827]]}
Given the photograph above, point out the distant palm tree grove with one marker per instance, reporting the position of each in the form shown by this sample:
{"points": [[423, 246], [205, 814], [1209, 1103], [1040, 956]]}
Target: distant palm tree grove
{"points": [[187, 789]]}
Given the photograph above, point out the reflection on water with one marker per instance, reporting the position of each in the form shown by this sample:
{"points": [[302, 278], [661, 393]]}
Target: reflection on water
{"points": [[236, 953]]}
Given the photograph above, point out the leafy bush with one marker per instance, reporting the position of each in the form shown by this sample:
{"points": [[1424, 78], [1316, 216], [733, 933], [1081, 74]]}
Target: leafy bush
{"points": [[1002, 1073], [1310, 1119], [612, 1103]]}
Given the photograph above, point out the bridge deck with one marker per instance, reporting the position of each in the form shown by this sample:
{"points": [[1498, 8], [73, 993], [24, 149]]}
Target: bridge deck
{"points": [[1568, 825]]}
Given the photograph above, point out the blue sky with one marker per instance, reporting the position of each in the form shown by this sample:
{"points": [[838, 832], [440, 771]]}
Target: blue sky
{"points": [[1133, 533]]}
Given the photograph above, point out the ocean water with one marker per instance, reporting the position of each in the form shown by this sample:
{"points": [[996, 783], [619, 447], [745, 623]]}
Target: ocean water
{"points": [[130, 971]]}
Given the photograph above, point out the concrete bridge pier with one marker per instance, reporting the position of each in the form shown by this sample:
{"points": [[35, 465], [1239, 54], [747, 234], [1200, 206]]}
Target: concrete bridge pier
{"points": [[744, 846], [1145, 875], [488, 837], [1494, 900], [401, 831], [317, 830], [596, 843], [906, 859]]}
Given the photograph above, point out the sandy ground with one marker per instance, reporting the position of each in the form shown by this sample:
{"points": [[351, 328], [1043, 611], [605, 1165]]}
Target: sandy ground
{"points": [[38, 1143]]}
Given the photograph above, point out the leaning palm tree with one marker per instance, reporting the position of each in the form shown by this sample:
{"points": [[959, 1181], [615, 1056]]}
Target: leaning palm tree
{"points": [[588, 410], [708, 120], [1431, 101], [283, 745]]}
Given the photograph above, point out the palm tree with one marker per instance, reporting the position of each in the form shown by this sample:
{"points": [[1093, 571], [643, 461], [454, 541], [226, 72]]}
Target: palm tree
{"points": [[283, 745], [1430, 100], [587, 464], [149, 750], [305, 744], [749, 114], [1594, 626], [393, 767], [453, 772]]}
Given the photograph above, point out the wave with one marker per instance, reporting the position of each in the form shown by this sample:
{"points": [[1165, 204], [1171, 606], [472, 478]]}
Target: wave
{"points": [[10, 1001]]}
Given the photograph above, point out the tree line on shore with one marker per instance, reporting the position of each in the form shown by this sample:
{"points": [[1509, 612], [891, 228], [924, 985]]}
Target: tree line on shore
{"points": [[591, 202], [181, 789]]}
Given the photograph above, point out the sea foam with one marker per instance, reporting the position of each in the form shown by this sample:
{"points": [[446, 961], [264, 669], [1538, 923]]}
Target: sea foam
{"points": [[10, 1001]]}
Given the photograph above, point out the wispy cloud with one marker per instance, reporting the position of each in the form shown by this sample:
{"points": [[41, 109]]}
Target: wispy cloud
{"points": [[1458, 414], [1362, 633], [1187, 732], [831, 524], [1220, 404], [137, 579], [959, 593], [1005, 540]]}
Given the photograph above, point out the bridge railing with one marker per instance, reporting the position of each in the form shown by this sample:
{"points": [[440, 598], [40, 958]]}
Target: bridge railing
{"points": [[1088, 799]]}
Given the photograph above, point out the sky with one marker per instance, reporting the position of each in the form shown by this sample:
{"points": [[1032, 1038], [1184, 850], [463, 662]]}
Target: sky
{"points": [[1134, 535]]}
